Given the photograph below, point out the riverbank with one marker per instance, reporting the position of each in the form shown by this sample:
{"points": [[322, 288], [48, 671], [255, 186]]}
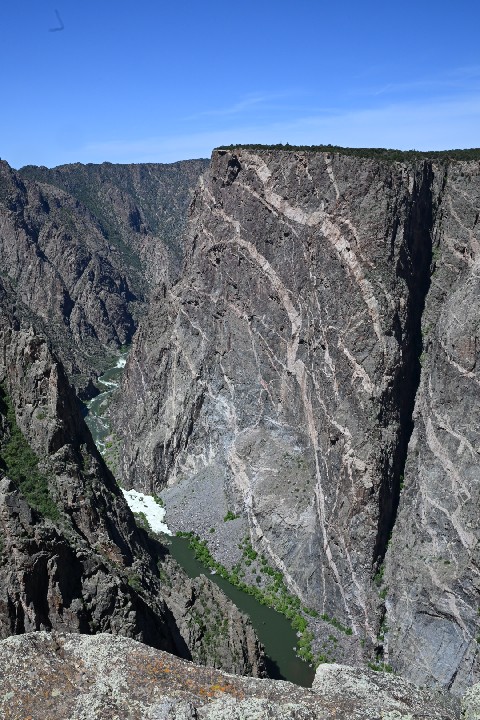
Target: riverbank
{"points": [[282, 642]]}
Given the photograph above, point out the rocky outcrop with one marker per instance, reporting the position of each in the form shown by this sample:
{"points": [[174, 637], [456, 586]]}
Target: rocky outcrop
{"points": [[71, 556], [283, 368], [95, 678], [214, 630], [471, 703]]}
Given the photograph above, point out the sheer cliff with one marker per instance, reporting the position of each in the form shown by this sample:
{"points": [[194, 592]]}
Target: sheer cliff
{"points": [[327, 310], [433, 561], [64, 271]]}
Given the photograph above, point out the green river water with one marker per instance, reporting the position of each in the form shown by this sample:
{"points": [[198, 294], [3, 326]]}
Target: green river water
{"points": [[272, 628]]}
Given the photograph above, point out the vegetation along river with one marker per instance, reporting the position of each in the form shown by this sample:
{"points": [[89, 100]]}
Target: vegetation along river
{"points": [[273, 629]]}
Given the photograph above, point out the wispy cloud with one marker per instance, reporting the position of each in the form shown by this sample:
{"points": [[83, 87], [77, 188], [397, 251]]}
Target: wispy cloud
{"points": [[241, 106], [438, 125], [455, 80], [253, 101], [468, 71]]}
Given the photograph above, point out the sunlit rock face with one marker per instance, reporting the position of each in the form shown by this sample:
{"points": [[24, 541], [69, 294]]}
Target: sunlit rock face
{"points": [[433, 562], [280, 375], [117, 677], [141, 208]]}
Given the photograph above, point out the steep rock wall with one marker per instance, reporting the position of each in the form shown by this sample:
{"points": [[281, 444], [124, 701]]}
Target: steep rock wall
{"points": [[278, 379], [64, 271], [286, 359], [83, 245], [433, 563], [141, 208]]}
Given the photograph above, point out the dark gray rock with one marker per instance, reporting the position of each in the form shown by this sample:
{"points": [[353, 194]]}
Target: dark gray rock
{"points": [[214, 630], [141, 208], [65, 272], [282, 371], [71, 556], [275, 368], [432, 569], [82, 245]]}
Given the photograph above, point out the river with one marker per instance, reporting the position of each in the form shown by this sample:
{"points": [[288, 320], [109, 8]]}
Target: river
{"points": [[272, 628]]}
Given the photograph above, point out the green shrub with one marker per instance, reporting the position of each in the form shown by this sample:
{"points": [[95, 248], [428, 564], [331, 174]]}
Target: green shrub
{"points": [[378, 578], [276, 595], [21, 464], [380, 667], [337, 624], [141, 520], [135, 582]]}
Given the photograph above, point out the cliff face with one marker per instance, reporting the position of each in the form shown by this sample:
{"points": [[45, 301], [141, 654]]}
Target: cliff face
{"points": [[65, 271], [280, 357], [141, 208], [281, 374], [433, 563], [71, 556], [83, 244]]}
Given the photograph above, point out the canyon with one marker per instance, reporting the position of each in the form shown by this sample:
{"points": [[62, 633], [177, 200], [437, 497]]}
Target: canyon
{"points": [[80, 244], [71, 554], [314, 372], [301, 392]]}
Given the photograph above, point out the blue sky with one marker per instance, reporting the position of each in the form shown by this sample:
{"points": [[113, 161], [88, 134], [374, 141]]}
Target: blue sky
{"points": [[156, 81]]}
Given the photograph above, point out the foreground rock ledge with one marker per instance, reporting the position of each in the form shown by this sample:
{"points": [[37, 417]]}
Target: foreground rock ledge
{"points": [[102, 677]]}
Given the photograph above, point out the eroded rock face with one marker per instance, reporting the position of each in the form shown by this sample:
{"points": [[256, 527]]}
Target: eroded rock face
{"points": [[71, 556], [433, 563], [83, 244], [214, 630], [65, 271], [95, 678], [141, 208], [67, 569], [277, 366], [282, 370]]}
